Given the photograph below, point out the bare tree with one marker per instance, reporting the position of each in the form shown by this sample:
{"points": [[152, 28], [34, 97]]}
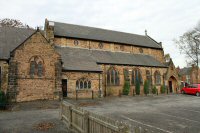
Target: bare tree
{"points": [[6, 22], [188, 45]]}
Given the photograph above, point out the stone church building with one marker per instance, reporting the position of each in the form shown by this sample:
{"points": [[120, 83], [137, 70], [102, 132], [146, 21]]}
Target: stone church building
{"points": [[66, 60]]}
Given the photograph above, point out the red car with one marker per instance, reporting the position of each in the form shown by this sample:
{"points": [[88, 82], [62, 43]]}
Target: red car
{"points": [[191, 89]]}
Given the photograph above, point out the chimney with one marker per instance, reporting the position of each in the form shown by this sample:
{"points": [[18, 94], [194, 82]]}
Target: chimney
{"points": [[160, 44], [49, 31]]}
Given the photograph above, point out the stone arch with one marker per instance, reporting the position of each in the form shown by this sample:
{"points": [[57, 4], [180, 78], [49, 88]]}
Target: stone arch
{"points": [[37, 59], [65, 77], [172, 84]]}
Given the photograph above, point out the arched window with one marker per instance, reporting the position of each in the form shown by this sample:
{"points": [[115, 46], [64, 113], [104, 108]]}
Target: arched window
{"points": [[148, 76], [136, 76], [112, 77], [33, 67], [126, 75], [89, 84], [36, 66], [157, 78], [40, 69], [83, 83]]}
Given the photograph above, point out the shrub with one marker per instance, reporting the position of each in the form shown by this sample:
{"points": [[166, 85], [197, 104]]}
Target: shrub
{"points": [[3, 99], [126, 88], [163, 88], [137, 87], [146, 87], [154, 90]]}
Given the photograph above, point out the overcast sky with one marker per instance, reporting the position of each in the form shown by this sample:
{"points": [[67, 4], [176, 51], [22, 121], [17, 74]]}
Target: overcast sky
{"points": [[163, 19]]}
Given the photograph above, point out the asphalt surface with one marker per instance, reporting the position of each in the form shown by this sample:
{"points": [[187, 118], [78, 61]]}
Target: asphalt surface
{"points": [[27, 117], [159, 114]]}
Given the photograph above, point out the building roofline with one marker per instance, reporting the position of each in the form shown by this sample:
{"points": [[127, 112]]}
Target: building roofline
{"points": [[38, 30], [131, 65]]}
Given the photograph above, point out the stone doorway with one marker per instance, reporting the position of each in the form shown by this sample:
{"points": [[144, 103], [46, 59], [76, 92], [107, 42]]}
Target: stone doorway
{"points": [[170, 87], [64, 87], [172, 84]]}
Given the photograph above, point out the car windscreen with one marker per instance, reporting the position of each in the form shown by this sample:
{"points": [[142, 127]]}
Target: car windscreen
{"points": [[194, 86]]}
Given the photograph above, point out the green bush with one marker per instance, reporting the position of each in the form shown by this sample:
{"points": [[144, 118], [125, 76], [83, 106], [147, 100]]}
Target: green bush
{"points": [[146, 87], [137, 87], [163, 89], [126, 88], [3, 100], [154, 90]]}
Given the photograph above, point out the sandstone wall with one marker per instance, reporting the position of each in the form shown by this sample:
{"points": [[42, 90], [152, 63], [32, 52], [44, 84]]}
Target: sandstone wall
{"points": [[114, 90], [156, 53], [108, 90], [35, 87], [72, 77]]}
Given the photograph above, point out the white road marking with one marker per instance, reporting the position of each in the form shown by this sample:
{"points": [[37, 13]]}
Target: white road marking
{"points": [[179, 117], [147, 125]]}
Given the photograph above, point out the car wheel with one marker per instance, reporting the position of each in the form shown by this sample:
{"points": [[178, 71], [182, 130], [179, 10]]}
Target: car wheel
{"points": [[198, 94], [183, 92]]}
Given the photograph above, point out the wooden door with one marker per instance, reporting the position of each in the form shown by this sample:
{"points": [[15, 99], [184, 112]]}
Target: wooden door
{"points": [[170, 87], [64, 87]]}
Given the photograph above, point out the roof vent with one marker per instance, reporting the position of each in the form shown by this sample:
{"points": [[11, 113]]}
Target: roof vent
{"points": [[145, 32]]}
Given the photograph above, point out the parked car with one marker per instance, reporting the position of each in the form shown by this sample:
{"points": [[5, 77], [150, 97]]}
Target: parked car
{"points": [[191, 89]]}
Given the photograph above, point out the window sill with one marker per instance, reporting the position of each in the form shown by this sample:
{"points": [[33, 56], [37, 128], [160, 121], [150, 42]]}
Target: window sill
{"points": [[83, 90], [113, 85]]}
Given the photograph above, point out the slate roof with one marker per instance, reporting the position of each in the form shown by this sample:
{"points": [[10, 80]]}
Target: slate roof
{"points": [[185, 71], [10, 38], [167, 64], [87, 60], [84, 32], [77, 59]]}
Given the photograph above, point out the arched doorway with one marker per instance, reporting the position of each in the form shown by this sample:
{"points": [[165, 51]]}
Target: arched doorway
{"points": [[172, 84]]}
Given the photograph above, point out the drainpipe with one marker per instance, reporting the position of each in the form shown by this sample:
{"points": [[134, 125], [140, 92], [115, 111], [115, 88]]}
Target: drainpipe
{"points": [[105, 81], [99, 85], [151, 79]]}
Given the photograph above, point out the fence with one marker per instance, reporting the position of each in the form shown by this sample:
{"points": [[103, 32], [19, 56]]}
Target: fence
{"points": [[83, 121]]}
